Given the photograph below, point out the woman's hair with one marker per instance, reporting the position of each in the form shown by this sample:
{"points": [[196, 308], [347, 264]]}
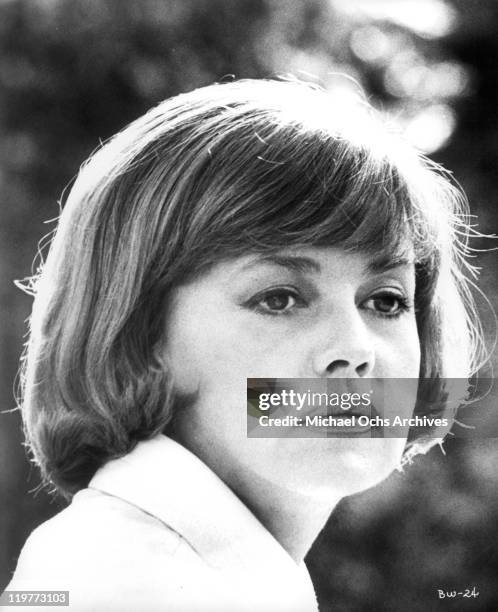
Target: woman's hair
{"points": [[220, 172]]}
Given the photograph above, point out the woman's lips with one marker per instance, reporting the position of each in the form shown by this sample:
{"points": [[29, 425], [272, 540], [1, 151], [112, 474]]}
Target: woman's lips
{"points": [[347, 421]]}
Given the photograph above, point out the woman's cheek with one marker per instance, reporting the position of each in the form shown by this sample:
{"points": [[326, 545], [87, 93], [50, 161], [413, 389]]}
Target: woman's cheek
{"points": [[405, 352]]}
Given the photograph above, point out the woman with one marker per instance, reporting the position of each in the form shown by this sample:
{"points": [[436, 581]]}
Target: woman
{"points": [[246, 230]]}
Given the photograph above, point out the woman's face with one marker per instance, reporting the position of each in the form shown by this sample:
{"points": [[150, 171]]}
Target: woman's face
{"points": [[300, 313]]}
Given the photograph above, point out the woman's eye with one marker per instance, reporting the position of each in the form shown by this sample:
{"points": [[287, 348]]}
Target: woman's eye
{"points": [[279, 301], [387, 305]]}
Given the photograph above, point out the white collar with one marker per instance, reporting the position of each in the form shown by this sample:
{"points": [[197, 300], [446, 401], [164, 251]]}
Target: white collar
{"points": [[166, 480]]}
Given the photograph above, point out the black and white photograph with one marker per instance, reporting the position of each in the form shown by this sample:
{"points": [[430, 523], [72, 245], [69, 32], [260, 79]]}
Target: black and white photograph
{"points": [[248, 305]]}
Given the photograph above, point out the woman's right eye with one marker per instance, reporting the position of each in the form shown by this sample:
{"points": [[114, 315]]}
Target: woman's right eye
{"points": [[277, 302]]}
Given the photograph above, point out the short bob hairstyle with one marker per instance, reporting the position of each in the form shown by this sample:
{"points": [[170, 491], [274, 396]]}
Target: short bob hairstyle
{"points": [[244, 167]]}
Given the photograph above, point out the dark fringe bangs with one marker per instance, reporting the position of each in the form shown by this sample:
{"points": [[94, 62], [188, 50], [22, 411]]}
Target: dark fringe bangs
{"points": [[327, 196]]}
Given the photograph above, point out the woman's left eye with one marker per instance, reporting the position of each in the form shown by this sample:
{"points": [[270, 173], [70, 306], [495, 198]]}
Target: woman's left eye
{"points": [[387, 304]]}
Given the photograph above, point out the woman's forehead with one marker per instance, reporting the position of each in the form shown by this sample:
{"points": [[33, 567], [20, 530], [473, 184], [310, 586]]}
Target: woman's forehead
{"points": [[315, 260]]}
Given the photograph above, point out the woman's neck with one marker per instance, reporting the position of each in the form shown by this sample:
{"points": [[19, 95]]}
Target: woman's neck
{"points": [[293, 519]]}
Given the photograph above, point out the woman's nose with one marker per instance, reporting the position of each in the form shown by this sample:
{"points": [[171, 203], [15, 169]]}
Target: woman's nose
{"points": [[345, 349]]}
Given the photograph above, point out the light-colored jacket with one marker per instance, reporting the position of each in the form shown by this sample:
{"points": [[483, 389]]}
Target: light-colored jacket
{"points": [[157, 530]]}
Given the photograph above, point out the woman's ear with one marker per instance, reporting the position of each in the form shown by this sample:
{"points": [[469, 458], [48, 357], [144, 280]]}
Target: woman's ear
{"points": [[159, 356]]}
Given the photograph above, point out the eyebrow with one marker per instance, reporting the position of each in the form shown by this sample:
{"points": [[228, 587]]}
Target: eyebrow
{"points": [[388, 262], [296, 263], [303, 265]]}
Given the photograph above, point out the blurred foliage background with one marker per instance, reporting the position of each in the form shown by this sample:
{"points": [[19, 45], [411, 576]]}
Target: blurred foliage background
{"points": [[73, 72]]}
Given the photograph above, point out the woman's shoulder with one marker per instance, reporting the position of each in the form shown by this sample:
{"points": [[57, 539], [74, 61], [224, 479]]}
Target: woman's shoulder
{"points": [[96, 521], [104, 549]]}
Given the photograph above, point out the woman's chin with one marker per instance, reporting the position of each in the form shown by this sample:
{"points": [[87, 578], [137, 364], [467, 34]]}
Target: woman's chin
{"points": [[348, 468]]}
